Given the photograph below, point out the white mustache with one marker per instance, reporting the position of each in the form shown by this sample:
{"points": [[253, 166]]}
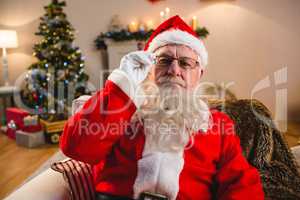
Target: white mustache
{"points": [[170, 80]]}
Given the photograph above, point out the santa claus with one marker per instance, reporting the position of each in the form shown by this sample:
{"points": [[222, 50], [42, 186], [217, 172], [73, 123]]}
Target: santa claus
{"points": [[149, 134]]}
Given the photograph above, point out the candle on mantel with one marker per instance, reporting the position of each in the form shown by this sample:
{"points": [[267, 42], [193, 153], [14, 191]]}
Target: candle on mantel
{"points": [[149, 25], [162, 16], [194, 23], [142, 27], [167, 13], [133, 27]]}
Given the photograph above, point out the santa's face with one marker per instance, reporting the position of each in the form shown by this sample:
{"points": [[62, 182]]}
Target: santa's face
{"points": [[173, 109], [178, 64]]}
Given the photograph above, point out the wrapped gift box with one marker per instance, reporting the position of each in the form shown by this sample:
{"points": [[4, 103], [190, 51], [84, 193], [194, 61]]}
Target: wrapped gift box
{"points": [[31, 124], [15, 121], [52, 130], [11, 133], [17, 115], [29, 139]]}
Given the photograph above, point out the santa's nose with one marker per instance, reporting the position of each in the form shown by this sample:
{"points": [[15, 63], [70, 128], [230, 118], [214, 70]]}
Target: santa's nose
{"points": [[174, 69]]}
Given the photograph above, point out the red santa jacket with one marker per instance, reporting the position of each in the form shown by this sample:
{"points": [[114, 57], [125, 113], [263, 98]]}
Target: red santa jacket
{"points": [[99, 134]]}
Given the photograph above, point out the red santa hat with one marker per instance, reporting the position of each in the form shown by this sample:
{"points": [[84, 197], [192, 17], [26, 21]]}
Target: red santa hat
{"points": [[175, 31]]}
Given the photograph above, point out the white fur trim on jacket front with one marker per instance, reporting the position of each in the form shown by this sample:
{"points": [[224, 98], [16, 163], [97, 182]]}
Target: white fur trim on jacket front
{"points": [[158, 172], [177, 36]]}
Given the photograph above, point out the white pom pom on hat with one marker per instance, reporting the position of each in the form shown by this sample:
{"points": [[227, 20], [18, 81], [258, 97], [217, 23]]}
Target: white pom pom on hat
{"points": [[175, 31]]}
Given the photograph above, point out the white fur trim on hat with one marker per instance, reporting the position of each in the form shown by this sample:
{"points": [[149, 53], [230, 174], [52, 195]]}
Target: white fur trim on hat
{"points": [[176, 36]]}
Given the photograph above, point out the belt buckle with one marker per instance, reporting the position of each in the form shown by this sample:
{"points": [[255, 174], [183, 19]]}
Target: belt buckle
{"points": [[152, 196]]}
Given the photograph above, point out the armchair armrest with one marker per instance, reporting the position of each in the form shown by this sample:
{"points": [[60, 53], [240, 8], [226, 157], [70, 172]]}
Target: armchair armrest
{"points": [[296, 151], [49, 185]]}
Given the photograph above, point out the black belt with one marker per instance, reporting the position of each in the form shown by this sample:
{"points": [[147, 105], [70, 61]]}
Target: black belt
{"points": [[143, 196], [104, 196]]}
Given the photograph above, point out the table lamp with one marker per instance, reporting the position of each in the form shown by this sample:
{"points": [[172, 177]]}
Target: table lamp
{"points": [[8, 39]]}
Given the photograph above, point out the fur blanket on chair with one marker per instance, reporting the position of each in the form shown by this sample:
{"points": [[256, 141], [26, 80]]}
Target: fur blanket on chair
{"points": [[264, 147]]}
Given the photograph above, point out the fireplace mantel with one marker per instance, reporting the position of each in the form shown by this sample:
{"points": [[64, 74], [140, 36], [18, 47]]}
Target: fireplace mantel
{"points": [[116, 50]]}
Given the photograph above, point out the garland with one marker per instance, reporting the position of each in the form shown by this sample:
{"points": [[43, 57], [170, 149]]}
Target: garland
{"points": [[125, 35]]}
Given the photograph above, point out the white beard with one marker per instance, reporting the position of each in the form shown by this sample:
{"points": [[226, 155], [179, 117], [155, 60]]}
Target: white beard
{"points": [[170, 118]]}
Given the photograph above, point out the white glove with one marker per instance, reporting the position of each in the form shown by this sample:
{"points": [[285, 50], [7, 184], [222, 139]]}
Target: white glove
{"points": [[133, 70], [137, 65]]}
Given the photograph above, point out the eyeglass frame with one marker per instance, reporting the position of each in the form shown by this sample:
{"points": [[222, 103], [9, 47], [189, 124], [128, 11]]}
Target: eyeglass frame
{"points": [[197, 62]]}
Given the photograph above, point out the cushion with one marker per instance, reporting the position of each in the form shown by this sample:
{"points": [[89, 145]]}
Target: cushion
{"points": [[78, 176]]}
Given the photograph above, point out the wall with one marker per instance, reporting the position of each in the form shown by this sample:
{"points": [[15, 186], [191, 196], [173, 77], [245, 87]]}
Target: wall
{"points": [[250, 40]]}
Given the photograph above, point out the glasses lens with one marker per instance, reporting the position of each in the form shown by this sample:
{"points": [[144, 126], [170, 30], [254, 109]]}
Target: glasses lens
{"points": [[187, 63], [184, 62], [164, 61]]}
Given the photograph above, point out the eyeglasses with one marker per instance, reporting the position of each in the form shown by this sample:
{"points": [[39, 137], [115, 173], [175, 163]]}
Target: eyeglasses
{"points": [[185, 63]]}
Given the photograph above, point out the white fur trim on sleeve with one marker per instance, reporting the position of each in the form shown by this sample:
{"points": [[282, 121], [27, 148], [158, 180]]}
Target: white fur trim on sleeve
{"points": [[177, 36], [126, 84]]}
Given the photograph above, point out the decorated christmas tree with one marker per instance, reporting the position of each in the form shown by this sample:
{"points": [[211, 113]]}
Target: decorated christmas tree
{"points": [[58, 75]]}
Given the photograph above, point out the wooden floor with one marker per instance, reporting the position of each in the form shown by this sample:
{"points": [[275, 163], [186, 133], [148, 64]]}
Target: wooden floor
{"points": [[18, 163]]}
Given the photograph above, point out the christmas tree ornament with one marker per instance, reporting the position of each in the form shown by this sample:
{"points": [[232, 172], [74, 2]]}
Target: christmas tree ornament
{"points": [[154, 1]]}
